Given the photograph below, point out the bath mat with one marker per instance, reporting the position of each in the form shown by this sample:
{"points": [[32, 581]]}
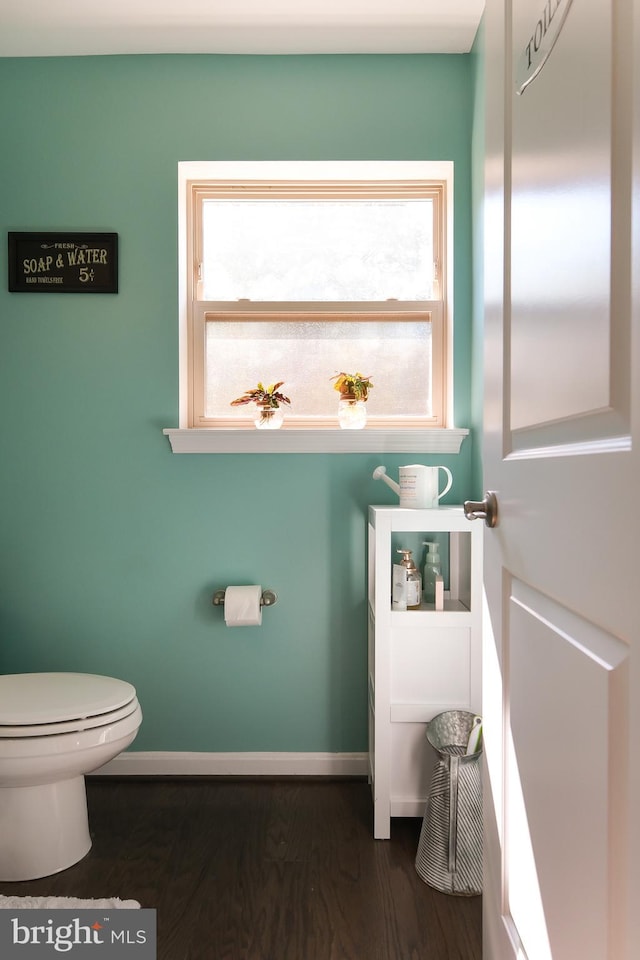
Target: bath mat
{"points": [[65, 903]]}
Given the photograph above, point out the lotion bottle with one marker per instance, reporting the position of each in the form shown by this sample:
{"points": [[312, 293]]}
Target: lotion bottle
{"points": [[432, 570], [414, 581]]}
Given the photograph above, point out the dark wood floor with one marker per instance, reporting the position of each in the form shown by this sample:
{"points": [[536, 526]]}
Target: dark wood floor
{"points": [[265, 870]]}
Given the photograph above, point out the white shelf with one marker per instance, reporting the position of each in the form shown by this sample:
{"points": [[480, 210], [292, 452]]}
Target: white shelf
{"points": [[453, 613], [293, 440], [421, 662]]}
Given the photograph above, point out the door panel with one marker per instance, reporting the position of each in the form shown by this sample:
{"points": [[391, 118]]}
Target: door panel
{"points": [[561, 660], [562, 677], [561, 221]]}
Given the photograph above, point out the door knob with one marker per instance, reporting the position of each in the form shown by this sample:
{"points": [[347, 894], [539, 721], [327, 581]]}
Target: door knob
{"points": [[486, 509]]}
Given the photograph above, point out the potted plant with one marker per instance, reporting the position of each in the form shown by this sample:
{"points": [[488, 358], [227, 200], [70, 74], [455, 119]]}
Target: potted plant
{"points": [[267, 401], [354, 391]]}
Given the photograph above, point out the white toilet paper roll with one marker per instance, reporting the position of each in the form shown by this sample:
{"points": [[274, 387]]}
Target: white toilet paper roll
{"points": [[242, 606]]}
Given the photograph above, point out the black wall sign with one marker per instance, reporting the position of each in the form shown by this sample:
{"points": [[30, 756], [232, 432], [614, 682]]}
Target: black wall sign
{"points": [[63, 262]]}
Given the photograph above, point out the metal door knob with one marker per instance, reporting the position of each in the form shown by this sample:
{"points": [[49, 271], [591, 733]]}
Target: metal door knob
{"points": [[486, 509]]}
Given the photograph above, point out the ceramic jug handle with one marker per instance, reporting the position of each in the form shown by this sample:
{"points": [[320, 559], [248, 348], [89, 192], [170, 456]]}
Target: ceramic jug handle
{"points": [[448, 486]]}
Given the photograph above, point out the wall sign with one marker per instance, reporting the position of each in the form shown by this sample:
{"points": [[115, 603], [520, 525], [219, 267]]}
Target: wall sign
{"points": [[63, 262], [541, 42]]}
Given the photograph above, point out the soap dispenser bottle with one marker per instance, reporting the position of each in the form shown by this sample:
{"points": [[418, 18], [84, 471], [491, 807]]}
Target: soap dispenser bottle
{"points": [[432, 570], [414, 580]]}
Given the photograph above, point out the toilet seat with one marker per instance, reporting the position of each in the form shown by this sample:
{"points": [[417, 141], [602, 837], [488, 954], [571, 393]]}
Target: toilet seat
{"points": [[47, 704]]}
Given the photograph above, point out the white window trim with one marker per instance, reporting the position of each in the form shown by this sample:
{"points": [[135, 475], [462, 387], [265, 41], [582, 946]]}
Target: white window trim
{"points": [[292, 440]]}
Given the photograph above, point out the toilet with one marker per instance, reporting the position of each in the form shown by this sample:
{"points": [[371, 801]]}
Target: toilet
{"points": [[54, 729]]}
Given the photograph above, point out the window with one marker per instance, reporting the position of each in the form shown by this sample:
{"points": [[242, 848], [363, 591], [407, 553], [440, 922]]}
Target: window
{"points": [[297, 278]]}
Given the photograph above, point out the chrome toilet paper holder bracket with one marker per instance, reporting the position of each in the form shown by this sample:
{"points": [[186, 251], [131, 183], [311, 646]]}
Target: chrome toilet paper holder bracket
{"points": [[268, 598]]}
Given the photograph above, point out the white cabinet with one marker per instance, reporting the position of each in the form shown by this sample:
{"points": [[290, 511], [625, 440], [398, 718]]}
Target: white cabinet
{"points": [[420, 662]]}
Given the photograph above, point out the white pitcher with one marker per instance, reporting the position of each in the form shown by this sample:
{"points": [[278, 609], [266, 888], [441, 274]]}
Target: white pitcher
{"points": [[418, 487]]}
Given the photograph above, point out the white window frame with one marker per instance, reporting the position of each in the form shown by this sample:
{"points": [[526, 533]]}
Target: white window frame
{"points": [[387, 434]]}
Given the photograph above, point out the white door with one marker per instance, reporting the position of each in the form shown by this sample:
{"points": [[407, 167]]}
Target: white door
{"points": [[561, 669]]}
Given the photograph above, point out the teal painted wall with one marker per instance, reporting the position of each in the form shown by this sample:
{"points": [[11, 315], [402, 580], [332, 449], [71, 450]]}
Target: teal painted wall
{"points": [[110, 545]]}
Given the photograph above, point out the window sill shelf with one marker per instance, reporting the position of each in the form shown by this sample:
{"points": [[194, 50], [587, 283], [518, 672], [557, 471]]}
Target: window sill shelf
{"points": [[291, 440]]}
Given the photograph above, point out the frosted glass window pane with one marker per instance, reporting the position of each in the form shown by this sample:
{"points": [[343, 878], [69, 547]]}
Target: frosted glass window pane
{"points": [[286, 250], [306, 354]]}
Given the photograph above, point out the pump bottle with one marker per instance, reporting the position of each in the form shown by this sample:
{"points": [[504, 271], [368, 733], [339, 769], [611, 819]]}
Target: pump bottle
{"points": [[414, 580], [432, 570]]}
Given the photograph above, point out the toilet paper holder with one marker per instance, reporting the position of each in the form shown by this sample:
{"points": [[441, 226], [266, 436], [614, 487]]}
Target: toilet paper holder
{"points": [[268, 598]]}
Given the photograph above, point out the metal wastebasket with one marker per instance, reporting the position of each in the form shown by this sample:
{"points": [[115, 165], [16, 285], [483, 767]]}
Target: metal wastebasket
{"points": [[449, 855]]}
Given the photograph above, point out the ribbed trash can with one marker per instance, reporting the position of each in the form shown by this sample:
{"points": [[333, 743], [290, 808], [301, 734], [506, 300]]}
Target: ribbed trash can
{"points": [[449, 854]]}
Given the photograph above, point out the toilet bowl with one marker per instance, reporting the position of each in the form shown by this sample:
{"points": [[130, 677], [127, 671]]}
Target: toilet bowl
{"points": [[54, 729]]}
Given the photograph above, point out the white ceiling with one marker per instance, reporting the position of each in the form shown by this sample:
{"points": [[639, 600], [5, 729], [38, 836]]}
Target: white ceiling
{"points": [[82, 27]]}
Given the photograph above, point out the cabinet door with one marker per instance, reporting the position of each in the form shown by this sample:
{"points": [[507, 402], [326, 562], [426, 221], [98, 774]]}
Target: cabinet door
{"points": [[431, 665]]}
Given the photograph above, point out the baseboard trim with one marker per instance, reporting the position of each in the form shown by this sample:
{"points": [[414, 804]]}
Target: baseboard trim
{"points": [[408, 808], [170, 764]]}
